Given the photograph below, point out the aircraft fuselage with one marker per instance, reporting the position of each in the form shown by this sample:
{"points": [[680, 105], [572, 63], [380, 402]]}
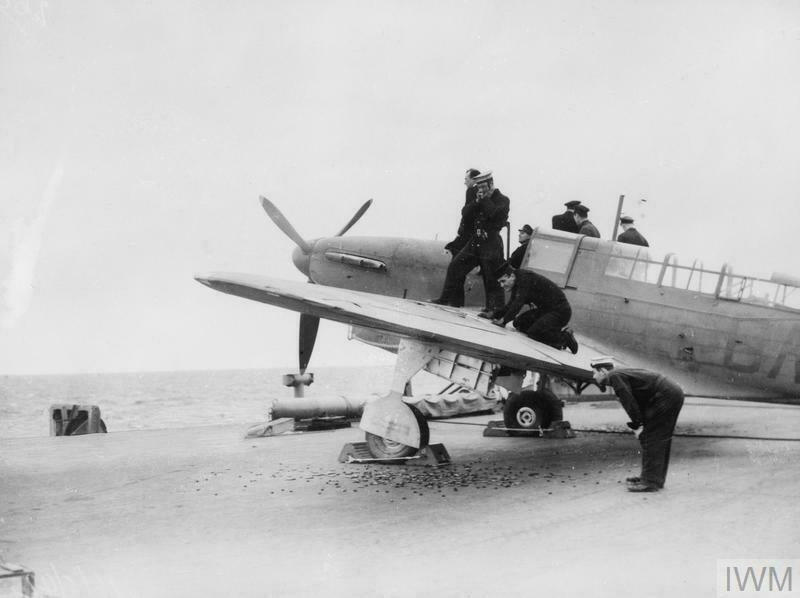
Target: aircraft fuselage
{"points": [[719, 334]]}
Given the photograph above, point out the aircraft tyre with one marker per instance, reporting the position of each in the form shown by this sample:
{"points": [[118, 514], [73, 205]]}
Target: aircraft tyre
{"points": [[383, 448], [531, 410]]}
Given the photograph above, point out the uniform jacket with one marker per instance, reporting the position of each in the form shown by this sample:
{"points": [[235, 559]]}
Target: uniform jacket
{"points": [[492, 213], [565, 222], [515, 261], [639, 390], [537, 289], [633, 237], [589, 229], [466, 227]]}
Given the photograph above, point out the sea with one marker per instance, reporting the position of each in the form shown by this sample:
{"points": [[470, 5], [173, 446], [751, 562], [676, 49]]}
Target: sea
{"points": [[158, 400]]}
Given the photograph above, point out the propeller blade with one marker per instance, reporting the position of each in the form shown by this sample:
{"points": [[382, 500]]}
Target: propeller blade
{"points": [[355, 218], [282, 223], [308, 336]]}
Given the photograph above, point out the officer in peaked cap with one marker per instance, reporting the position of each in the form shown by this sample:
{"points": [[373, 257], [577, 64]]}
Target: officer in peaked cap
{"points": [[484, 247], [653, 403], [629, 233], [566, 221], [585, 226]]}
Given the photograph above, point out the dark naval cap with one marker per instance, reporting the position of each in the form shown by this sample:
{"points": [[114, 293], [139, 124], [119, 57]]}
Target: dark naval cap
{"points": [[626, 220], [505, 269], [582, 210], [572, 204], [526, 228]]}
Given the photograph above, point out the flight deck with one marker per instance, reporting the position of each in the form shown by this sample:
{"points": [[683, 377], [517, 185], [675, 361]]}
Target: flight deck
{"points": [[204, 511]]}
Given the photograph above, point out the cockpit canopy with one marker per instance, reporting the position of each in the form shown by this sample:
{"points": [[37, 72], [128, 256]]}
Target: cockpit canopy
{"points": [[555, 252]]}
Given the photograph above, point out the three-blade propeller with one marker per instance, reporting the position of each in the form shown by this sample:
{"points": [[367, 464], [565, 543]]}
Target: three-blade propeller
{"points": [[308, 324]]}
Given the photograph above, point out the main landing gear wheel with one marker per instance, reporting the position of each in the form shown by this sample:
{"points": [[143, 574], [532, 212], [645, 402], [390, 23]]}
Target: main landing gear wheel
{"points": [[383, 448], [531, 410]]}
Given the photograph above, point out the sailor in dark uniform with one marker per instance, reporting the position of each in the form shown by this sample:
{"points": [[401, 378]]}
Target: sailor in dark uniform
{"points": [[566, 221], [547, 320], [585, 226], [653, 402], [629, 234], [515, 260], [484, 247]]}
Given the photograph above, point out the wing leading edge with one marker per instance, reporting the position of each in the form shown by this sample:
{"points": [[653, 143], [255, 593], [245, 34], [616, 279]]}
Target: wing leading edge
{"points": [[451, 329]]}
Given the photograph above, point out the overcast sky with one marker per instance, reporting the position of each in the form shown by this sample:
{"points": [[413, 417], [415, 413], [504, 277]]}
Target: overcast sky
{"points": [[135, 138]]}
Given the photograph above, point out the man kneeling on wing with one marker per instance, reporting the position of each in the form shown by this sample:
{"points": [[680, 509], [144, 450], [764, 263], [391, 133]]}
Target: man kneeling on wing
{"points": [[546, 321]]}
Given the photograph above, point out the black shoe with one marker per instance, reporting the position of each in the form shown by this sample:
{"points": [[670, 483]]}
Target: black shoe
{"points": [[637, 480], [643, 487], [569, 341]]}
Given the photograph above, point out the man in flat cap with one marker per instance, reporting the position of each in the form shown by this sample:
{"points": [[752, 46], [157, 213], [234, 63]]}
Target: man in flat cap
{"points": [[629, 233], [515, 260], [484, 247], [546, 322], [653, 402], [566, 221], [585, 226], [467, 223]]}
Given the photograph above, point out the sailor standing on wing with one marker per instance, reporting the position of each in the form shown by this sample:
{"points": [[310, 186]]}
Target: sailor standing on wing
{"points": [[484, 248]]}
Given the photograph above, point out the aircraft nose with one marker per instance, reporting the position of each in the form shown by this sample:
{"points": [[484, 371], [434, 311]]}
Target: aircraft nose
{"points": [[302, 261]]}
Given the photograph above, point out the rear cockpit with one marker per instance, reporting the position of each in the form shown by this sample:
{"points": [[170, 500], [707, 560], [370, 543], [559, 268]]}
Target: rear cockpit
{"points": [[570, 259]]}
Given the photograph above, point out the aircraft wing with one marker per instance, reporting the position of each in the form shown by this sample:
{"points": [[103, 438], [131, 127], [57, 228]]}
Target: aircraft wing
{"points": [[449, 328]]}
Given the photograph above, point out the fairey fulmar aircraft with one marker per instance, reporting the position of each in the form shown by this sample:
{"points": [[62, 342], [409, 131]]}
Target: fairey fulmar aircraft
{"points": [[717, 333]]}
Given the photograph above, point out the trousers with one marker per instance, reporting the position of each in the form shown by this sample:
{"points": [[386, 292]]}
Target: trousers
{"points": [[656, 437], [545, 326], [486, 253]]}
